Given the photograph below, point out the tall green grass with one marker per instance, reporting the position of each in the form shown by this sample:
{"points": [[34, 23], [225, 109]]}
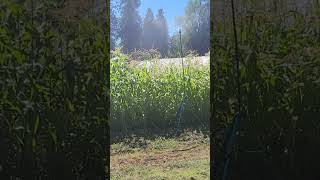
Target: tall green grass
{"points": [[147, 98], [53, 95], [280, 85]]}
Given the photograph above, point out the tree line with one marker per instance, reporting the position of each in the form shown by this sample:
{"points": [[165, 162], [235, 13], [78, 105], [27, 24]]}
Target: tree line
{"points": [[131, 32]]}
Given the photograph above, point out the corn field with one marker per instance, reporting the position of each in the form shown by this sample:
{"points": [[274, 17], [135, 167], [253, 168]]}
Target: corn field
{"points": [[279, 133], [54, 98], [53, 94], [145, 99]]}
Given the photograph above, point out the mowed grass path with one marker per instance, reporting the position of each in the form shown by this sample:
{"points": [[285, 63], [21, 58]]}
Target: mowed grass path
{"points": [[185, 157]]}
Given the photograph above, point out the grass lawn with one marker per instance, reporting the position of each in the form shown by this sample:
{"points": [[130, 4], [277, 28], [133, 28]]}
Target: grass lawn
{"points": [[184, 157]]}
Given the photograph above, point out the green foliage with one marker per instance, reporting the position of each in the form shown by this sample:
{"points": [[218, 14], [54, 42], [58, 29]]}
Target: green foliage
{"points": [[280, 88], [53, 95], [148, 30], [175, 46], [195, 25], [162, 33], [141, 55], [130, 29], [146, 98]]}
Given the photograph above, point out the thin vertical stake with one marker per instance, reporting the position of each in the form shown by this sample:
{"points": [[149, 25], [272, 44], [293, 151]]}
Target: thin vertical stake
{"points": [[182, 59], [236, 55]]}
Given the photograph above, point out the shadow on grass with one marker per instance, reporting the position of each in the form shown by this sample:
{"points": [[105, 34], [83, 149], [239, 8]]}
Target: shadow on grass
{"points": [[152, 134]]}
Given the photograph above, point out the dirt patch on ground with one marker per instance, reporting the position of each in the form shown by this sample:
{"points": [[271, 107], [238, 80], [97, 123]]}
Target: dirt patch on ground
{"points": [[154, 158]]}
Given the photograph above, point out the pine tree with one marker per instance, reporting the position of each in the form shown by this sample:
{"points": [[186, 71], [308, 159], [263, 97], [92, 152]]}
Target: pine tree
{"points": [[130, 25], [148, 37], [162, 39]]}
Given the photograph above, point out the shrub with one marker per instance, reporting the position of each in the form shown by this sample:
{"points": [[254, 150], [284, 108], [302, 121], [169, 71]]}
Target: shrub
{"points": [[145, 54]]}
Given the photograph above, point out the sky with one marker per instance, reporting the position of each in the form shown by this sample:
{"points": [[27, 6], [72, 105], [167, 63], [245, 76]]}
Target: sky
{"points": [[171, 8]]}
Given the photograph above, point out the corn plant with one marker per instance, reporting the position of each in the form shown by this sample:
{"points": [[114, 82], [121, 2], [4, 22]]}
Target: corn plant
{"points": [[53, 95], [146, 98], [279, 132]]}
